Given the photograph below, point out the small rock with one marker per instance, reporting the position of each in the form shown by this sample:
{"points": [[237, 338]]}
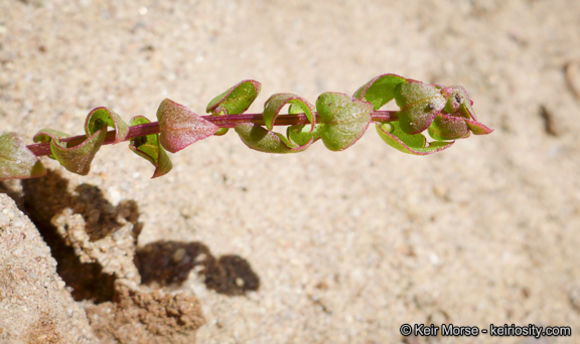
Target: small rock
{"points": [[178, 255], [239, 282]]}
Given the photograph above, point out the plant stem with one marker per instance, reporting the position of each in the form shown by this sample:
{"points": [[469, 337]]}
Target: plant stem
{"points": [[229, 121]]}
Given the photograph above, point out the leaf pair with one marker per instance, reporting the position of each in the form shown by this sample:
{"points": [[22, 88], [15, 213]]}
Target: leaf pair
{"points": [[234, 100], [297, 138], [341, 120], [445, 112], [457, 118], [77, 156]]}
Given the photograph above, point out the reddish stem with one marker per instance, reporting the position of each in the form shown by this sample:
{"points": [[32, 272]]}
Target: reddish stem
{"points": [[229, 121]]}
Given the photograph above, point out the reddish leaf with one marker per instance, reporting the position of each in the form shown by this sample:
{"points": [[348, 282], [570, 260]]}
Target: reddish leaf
{"points": [[447, 127], [180, 127], [478, 128]]}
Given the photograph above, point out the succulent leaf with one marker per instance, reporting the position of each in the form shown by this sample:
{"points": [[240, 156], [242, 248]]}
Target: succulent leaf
{"points": [[302, 134], [17, 161], [379, 90], [179, 127], [149, 148], [234, 100], [343, 119], [419, 103], [415, 144], [101, 117], [75, 158], [448, 127], [458, 102], [478, 128], [266, 140], [276, 102], [258, 138]]}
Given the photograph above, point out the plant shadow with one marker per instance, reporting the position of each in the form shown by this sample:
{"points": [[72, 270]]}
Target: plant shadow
{"points": [[168, 263], [162, 263]]}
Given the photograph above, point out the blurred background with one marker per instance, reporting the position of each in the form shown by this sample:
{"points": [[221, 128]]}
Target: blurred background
{"points": [[346, 246]]}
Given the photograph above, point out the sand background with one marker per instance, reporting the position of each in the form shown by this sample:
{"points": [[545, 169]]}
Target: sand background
{"points": [[346, 246]]}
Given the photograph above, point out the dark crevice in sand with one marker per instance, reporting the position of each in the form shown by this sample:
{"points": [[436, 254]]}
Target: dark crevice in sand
{"points": [[43, 198]]}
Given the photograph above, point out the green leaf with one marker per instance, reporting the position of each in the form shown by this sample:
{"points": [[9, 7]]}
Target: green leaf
{"points": [[236, 99], [419, 103], [179, 127], [379, 90], [221, 131], [448, 127], [75, 158], [276, 102], [149, 148], [343, 119], [101, 117], [415, 144], [298, 105], [302, 134], [266, 140], [17, 161], [258, 138]]}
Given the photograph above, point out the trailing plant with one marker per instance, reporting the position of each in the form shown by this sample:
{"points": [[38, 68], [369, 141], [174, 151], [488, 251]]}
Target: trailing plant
{"points": [[337, 119]]}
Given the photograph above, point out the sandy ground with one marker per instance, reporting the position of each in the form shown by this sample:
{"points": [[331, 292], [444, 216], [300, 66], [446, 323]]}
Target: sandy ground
{"points": [[341, 247]]}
